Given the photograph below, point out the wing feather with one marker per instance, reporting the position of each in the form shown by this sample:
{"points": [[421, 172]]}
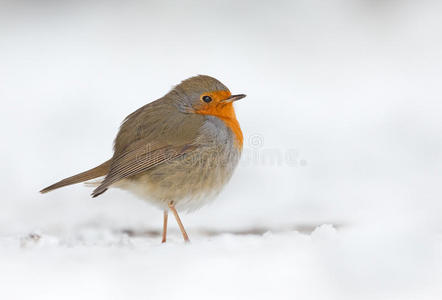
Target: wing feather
{"points": [[152, 135], [139, 160]]}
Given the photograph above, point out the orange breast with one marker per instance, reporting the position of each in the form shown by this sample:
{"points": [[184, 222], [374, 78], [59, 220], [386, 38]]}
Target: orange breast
{"points": [[225, 112], [229, 118]]}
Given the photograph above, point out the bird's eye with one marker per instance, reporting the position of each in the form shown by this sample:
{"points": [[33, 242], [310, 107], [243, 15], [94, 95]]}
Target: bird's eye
{"points": [[207, 99]]}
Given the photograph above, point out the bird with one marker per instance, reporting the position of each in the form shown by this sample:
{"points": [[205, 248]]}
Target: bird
{"points": [[176, 152]]}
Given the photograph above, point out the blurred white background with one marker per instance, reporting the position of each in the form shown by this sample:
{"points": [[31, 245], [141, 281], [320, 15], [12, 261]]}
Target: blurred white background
{"points": [[342, 125]]}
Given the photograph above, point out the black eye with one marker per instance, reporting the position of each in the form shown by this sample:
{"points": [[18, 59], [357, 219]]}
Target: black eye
{"points": [[207, 99]]}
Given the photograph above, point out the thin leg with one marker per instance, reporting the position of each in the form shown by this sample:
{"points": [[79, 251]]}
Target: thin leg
{"points": [[178, 220], [164, 226]]}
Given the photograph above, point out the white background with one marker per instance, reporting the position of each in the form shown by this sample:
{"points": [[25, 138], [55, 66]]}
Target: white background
{"points": [[342, 125]]}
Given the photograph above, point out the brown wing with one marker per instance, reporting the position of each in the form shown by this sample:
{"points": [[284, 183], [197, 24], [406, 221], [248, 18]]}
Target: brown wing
{"points": [[140, 158], [157, 123], [153, 134]]}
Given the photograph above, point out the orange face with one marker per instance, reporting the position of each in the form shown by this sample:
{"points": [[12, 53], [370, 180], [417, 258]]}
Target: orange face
{"points": [[217, 104]]}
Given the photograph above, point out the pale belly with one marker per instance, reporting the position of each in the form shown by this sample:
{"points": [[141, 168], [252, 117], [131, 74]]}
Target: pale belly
{"points": [[190, 181]]}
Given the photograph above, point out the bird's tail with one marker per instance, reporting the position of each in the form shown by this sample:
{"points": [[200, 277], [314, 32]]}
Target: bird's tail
{"points": [[98, 171]]}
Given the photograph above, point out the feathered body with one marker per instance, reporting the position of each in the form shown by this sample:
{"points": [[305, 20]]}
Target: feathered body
{"points": [[178, 148], [194, 178]]}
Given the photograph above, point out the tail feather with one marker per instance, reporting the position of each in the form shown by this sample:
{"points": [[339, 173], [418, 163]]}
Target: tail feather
{"points": [[98, 171]]}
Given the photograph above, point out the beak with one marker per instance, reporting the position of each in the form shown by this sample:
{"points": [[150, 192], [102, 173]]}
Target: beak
{"points": [[234, 98]]}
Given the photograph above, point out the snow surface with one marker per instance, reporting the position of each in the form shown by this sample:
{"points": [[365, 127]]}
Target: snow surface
{"points": [[337, 196], [98, 263]]}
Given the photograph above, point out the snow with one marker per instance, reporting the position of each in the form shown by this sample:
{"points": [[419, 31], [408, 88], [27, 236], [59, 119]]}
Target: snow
{"points": [[337, 195], [327, 263]]}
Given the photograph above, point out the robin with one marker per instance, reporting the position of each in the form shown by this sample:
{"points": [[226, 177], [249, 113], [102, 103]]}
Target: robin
{"points": [[176, 152]]}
